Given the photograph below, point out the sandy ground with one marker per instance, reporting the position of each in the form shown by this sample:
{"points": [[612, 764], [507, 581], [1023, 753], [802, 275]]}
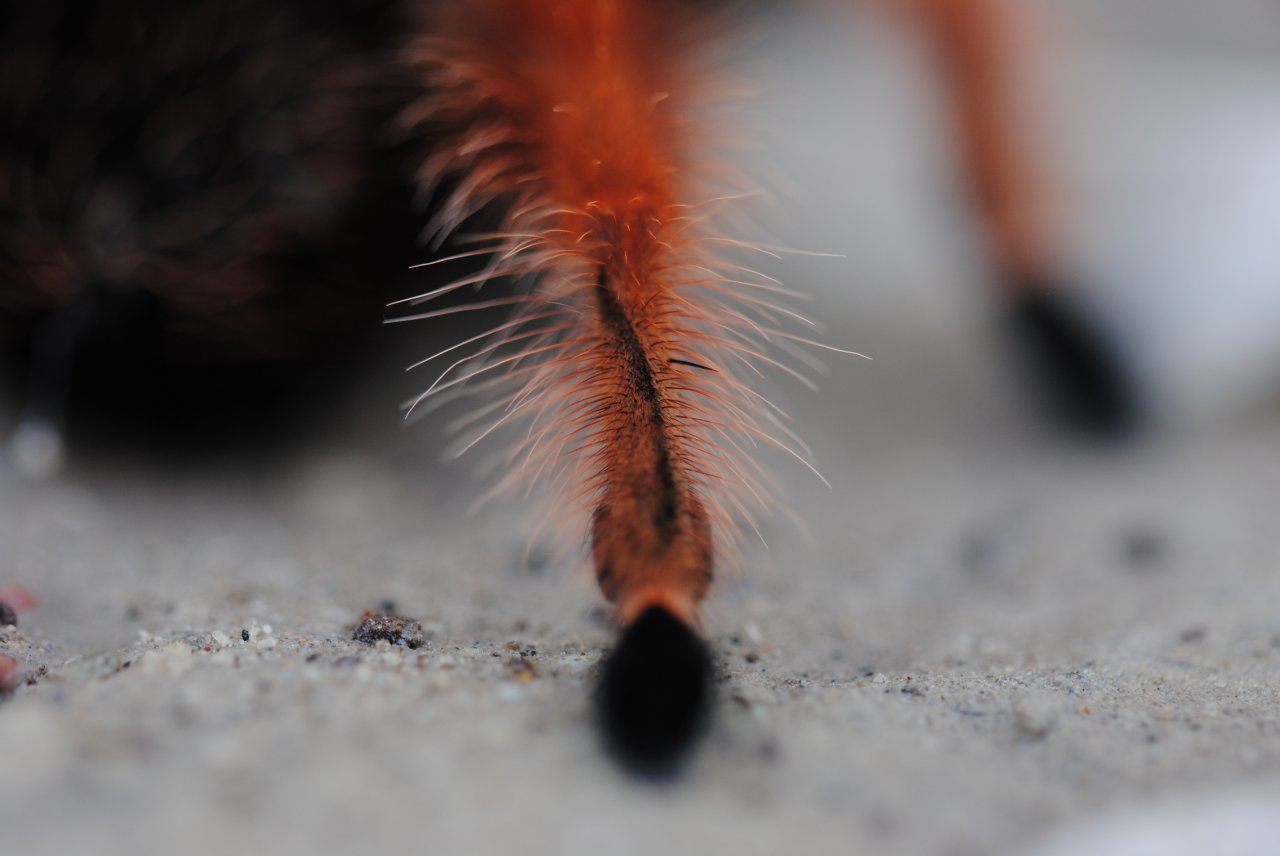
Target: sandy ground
{"points": [[979, 641], [986, 639]]}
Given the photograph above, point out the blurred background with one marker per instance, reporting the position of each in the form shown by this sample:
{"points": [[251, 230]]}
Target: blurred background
{"points": [[1014, 624]]}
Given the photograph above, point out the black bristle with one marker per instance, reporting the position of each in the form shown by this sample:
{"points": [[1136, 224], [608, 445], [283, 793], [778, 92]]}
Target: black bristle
{"points": [[655, 694]]}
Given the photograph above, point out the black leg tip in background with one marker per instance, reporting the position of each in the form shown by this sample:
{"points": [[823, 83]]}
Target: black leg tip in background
{"points": [[655, 694], [1075, 370]]}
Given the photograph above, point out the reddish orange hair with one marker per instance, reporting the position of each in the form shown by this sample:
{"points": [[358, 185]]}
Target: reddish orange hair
{"points": [[627, 358]]}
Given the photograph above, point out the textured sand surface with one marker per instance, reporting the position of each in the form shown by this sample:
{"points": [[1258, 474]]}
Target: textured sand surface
{"points": [[985, 643], [989, 639]]}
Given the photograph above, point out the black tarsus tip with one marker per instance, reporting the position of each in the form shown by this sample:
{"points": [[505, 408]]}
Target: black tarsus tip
{"points": [[655, 694], [1078, 372]]}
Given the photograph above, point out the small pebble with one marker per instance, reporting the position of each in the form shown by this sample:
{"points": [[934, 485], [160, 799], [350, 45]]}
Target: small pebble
{"points": [[1035, 715], [8, 615], [19, 598], [395, 629], [522, 669], [244, 635], [1192, 635], [1144, 548], [9, 674]]}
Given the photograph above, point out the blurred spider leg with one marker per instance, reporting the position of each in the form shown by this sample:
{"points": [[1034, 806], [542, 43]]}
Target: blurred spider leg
{"points": [[983, 48]]}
